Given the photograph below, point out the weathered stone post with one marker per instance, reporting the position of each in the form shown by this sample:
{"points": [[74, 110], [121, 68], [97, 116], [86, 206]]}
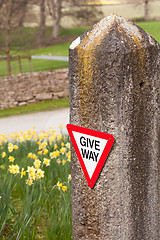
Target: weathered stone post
{"points": [[114, 84]]}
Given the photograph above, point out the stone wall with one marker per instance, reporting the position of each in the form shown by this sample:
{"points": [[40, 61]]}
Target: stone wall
{"points": [[28, 88]]}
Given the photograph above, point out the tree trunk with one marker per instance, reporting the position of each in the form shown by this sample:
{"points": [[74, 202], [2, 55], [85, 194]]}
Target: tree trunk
{"points": [[146, 10], [56, 20], [23, 12], [8, 53], [7, 37], [42, 23]]}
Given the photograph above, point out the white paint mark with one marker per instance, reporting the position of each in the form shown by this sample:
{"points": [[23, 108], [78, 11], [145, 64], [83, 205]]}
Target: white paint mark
{"points": [[75, 43], [151, 41]]}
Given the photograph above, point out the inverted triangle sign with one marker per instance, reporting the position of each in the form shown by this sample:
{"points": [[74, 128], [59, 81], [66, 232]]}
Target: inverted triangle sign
{"points": [[92, 148]]}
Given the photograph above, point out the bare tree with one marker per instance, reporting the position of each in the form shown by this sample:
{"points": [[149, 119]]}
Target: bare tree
{"points": [[23, 12], [146, 6], [42, 23], [55, 10], [10, 15], [146, 10]]}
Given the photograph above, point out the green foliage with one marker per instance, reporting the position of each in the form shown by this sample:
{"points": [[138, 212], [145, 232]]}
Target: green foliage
{"points": [[35, 107]]}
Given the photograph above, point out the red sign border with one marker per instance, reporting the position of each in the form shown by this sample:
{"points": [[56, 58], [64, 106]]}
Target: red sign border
{"points": [[91, 181]]}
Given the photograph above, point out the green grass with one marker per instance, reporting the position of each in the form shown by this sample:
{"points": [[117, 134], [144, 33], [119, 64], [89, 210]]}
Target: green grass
{"points": [[36, 107], [153, 28], [37, 66], [55, 50]]}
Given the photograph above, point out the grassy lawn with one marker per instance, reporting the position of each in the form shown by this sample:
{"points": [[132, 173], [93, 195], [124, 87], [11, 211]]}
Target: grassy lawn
{"points": [[60, 49], [37, 66], [55, 50], [36, 107], [153, 28]]}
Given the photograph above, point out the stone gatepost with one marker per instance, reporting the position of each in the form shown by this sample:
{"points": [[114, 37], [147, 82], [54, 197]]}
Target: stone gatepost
{"points": [[114, 73]]}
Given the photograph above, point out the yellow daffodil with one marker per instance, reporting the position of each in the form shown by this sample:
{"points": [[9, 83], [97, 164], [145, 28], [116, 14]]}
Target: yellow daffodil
{"points": [[58, 161], [52, 155], [69, 177], [41, 136], [44, 144], [29, 137], [32, 175], [45, 151], [34, 133], [63, 162], [52, 138], [23, 173], [29, 155], [2, 167], [55, 146], [21, 139], [37, 163], [34, 156], [10, 144], [15, 147], [13, 169], [68, 145], [59, 137], [16, 169], [62, 150], [11, 159], [40, 174], [64, 188], [57, 153], [61, 126], [4, 154], [29, 182], [68, 156], [31, 170], [59, 185], [46, 161], [10, 147]]}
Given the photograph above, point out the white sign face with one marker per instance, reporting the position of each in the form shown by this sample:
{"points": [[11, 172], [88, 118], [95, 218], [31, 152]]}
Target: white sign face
{"points": [[91, 149]]}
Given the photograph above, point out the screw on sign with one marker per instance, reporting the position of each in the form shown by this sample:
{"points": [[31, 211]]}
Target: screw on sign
{"points": [[92, 148]]}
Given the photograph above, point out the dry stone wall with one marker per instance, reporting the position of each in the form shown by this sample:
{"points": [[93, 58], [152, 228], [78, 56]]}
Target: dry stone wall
{"points": [[28, 88]]}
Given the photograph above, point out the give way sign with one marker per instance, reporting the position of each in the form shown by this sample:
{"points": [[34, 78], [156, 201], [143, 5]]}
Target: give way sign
{"points": [[92, 148]]}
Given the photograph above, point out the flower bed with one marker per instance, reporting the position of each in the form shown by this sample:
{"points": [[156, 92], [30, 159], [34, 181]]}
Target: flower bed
{"points": [[35, 197]]}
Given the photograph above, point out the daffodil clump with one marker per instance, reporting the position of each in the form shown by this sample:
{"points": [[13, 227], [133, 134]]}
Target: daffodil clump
{"points": [[36, 165], [50, 146]]}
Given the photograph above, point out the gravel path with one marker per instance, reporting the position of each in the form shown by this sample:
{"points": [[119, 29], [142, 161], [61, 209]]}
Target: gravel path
{"points": [[41, 121]]}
